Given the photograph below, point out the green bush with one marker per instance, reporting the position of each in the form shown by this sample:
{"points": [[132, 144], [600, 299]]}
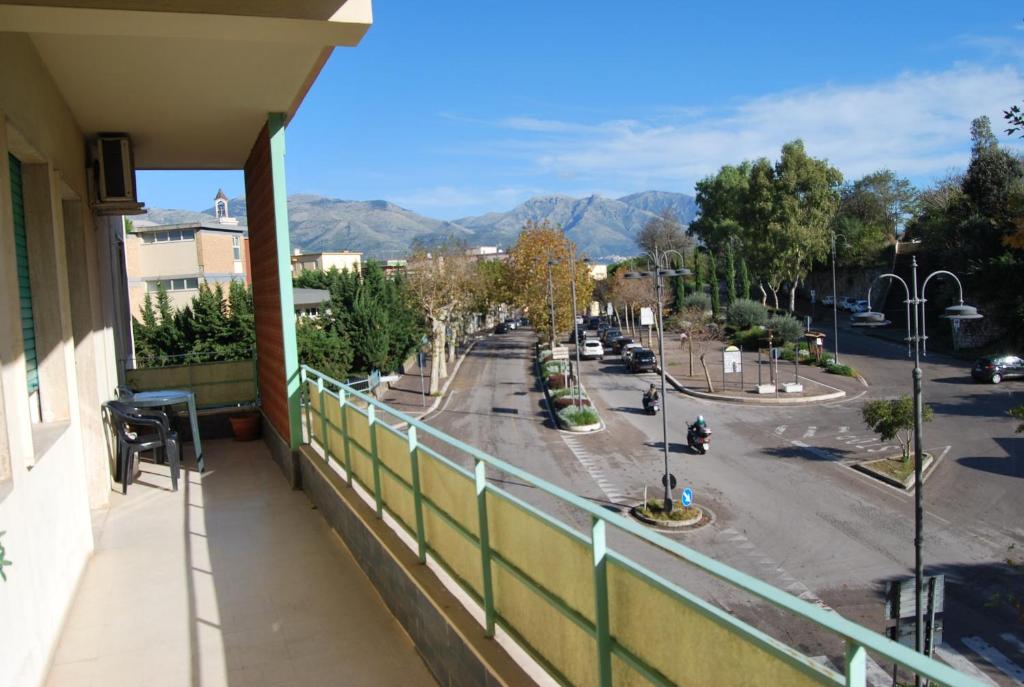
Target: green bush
{"points": [[844, 370], [749, 338], [745, 313], [552, 367], [786, 329], [558, 393], [697, 300], [544, 354], [577, 417]]}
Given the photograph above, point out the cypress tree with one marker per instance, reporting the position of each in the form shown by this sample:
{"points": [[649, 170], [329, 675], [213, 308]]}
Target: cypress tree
{"points": [[713, 278], [730, 273], [698, 275], [744, 278]]}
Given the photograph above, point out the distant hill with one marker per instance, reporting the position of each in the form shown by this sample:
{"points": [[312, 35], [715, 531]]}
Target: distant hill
{"points": [[603, 228]]}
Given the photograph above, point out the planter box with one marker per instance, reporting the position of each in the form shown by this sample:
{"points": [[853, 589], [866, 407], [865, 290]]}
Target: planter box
{"points": [[791, 388], [766, 388]]}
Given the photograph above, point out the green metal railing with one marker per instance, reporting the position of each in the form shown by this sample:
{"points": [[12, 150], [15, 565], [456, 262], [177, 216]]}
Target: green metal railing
{"points": [[526, 569]]}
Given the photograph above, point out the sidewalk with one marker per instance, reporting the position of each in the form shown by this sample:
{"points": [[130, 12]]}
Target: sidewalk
{"points": [[405, 394], [818, 385]]}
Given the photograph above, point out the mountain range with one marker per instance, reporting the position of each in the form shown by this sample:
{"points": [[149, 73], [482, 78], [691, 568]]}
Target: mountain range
{"points": [[603, 228]]}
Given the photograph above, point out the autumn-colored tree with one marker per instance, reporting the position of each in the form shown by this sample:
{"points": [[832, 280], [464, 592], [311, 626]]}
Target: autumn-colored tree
{"points": [[537, 245]]}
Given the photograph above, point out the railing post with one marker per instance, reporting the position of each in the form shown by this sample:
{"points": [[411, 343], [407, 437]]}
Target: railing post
{"points": [[485, 546], [305, 396], [856, 665], [344, 436], [371, 418], [599, 546], [417, 496], [325, 440]]}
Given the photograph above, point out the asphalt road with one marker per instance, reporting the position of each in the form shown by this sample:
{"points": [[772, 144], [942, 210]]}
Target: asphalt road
{"points": [[787, 506]]}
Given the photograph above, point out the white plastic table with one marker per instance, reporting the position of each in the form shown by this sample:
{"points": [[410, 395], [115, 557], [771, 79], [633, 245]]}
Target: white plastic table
{"points": [[170, 397]]}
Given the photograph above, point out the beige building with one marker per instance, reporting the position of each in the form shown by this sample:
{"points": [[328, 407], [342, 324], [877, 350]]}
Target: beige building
{"points": [[340, 260], [182, 256], [598, 272]]}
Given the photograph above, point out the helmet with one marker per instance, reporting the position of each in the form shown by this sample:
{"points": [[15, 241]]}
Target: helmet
{"points": [[700, 418]]}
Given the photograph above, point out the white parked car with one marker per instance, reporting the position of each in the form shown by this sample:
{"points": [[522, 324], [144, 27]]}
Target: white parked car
{"points": [[826, 300], [592, 349], [845, 303], [628, 349], [860, 306]]}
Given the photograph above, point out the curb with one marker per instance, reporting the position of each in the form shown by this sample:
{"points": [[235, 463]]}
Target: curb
{"points": [[444, 389], [751, 401], [929, 464]]}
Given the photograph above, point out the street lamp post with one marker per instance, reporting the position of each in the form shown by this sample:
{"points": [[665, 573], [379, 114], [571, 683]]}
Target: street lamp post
{"points": [[835, 312], [551, 299], [575, 326], [659, 272], [916, 336]]}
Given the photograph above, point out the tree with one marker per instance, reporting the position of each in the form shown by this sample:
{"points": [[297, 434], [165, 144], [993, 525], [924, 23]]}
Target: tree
{"points": [[730, 273], [662, 233], [744, 279], [1015, 118], [1017, 413], [435, 279], [327, 350], [715, 287], [723, 203], [894, 419], [700, 332], [528, 275], [872, 212]]}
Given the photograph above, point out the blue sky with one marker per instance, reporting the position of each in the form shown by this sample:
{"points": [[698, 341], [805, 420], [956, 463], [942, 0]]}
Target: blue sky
{"points": [[457, 108]]}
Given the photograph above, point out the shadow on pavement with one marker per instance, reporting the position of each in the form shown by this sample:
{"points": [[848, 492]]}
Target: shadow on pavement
{"points": [[814, 453], [972, 405], [672, 448], [1010, 465], [630, 409], [965, 380]]}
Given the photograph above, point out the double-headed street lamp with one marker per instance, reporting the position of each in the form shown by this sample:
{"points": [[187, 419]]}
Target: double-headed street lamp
{"points": [[551, 299], [916, 336], [662, 269]]}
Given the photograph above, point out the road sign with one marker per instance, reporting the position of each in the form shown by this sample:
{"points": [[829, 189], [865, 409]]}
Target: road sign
{"points": [[560, 353], [646, 317], [671, 481], [608, 309], [813, 295], [687, 498]]}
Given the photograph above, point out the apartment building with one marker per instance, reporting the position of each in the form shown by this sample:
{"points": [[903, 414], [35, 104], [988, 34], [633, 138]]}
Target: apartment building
{"points": [[183, 256], [326, 260]]}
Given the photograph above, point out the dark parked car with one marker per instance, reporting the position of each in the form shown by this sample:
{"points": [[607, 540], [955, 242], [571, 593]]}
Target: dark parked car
{"points": [[502, 328], [594, 323], [619, 341], [609, 335], [996, 368], [578, 335], [643, 360]]}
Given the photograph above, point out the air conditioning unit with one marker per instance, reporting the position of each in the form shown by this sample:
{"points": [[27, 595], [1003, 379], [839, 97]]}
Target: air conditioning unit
{"points": [[114, 166]]}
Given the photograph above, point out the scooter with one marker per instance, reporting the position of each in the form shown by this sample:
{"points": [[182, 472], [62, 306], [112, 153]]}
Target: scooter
{"points": [[698, 439], [651, 407]]}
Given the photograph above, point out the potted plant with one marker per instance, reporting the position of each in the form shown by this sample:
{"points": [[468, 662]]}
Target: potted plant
{"points": [[245, 426]]}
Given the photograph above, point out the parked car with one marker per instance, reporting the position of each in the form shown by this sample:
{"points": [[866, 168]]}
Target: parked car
{"points": [[511, 323], [501, 328], [860, 306], [996, 368], [594, 323], [592, 349], [578, 335], [523, 322], [619, 341], [845, 303], [643, 360], [628, 349], [609, 335], [826, 300]]}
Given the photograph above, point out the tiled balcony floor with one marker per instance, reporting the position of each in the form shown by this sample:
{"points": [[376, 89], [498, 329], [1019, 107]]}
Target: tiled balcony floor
{"points": [[233, 580]]}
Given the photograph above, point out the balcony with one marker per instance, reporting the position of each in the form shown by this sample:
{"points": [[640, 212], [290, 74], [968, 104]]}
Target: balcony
{"points": [[233, 580]]}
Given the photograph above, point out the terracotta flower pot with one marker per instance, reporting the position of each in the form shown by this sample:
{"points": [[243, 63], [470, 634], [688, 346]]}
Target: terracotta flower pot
{"points": [[245, 427]]}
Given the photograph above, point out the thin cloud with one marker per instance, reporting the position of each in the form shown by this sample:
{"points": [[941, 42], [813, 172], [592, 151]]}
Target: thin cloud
{"points": [[916, 123]]}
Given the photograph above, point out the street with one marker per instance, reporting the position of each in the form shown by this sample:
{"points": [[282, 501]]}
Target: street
{"points": [[787, 507]]}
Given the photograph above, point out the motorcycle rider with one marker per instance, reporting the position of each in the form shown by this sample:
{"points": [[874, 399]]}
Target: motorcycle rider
{"points": [[700, 427], [650, 397]]}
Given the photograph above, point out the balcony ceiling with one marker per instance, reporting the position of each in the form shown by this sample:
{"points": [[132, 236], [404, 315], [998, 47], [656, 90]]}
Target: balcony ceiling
{"points": [[191, 85]]}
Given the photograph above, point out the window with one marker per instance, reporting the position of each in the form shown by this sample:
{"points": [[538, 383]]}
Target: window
{"points": [[169, 235], [148, 238], [182, 284], [28, 329], [236, 247], [188, 234]]}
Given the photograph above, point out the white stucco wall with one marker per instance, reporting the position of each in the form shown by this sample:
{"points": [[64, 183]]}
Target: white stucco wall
{"points": [[45, 499]]}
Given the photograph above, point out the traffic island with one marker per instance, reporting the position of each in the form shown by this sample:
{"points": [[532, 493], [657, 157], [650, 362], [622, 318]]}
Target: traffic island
{"points": [[653, 514], [895, 471], [566, 399]]}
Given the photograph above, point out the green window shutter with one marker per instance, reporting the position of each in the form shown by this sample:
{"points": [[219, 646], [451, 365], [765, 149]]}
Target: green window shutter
{"points": [[28, 327]]}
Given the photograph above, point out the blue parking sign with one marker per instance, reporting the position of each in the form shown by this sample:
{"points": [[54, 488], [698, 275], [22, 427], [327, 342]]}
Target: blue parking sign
{"points": [[687, 497]]}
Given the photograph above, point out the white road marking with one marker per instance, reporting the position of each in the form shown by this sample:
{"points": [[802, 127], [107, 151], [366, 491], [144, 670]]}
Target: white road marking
{"points": [[811, 431], [797, 442], [955, 659], [780, 430], [843, 430], [1012, 639], [996, 658]]}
